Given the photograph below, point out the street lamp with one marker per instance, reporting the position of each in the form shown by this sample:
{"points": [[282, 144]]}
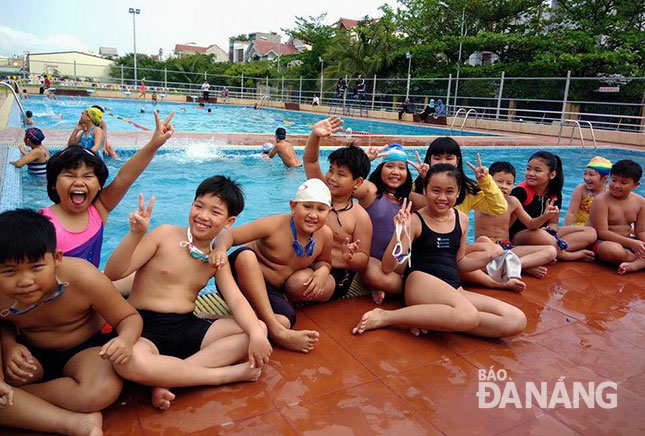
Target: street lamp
{"points": [[461, 40], [409, 56], [134, 13], [320, 59]]}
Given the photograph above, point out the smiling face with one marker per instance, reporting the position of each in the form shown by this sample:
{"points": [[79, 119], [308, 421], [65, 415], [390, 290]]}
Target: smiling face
{"points": [[538, 174], [441, 193], [208, 216], [621, 186], [504, 181], [394, 174], [29, 282], [77, 188], [340, 181], [444, 158], [309, 216], [593, 180]]}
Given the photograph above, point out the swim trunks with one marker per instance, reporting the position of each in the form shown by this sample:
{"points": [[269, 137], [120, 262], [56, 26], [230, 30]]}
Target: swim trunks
{"points": [[174, 334], [595, 245], [505, 244], [344, 279], [54, 361]]}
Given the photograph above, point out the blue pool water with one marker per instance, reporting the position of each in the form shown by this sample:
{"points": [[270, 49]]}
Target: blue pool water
{"points": [[64, 112], [173, 176]]}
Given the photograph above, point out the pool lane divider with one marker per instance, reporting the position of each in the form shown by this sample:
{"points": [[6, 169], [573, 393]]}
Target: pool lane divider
{"points": [[139, 126], [352, 132]]}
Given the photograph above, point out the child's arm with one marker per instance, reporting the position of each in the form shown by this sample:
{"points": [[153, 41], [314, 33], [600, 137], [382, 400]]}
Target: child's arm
{"points": [[17, 358], [574, 204], [550, 211], [404, 219], [74, 138], [599, 219], [468, 264], [25, 159], [490, 199], [315, 285], [357, 252], [259, 347], [6, 391], [321, 129], [273, 151], [114, 192], [98, 139]]}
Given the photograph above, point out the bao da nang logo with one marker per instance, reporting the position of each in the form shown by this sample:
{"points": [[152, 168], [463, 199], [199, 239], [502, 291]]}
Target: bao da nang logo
{"points": [[496, 389]]}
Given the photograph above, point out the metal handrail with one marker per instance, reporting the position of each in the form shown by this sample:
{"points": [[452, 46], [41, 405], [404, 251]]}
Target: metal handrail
{"points": [[454, 117], [466, 118], [577, 123], [15, 96]]}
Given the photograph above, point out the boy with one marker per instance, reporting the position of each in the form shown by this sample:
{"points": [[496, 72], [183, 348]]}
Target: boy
{"points": [[612, 215], [285, 255], [495, 228], [284, 149], [349, 222], [58, 305], [176, 348], [595, 182], [29, 120]]}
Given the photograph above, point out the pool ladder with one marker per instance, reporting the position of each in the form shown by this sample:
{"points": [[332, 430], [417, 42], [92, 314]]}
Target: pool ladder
{"points": [[263, 100], [467, 112], [24, 115], [582, 139]]}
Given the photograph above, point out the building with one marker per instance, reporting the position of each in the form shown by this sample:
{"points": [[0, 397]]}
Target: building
{"points": [[219, 55], [70, 64], [108, 52], [347, 23], [260, 50]]}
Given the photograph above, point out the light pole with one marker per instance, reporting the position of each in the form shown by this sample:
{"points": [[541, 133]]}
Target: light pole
{"points": [[320, 59], [461, 40], [409, 56], [134, 13]]}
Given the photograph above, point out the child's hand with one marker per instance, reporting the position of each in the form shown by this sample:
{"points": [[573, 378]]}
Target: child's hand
{"points": [[315, 285], [19, 363], [349, 248], [551, 210], [326, 127], [217, 259], [140, 219], [6, 395], [163, 131], [373, 153], [422, 168], [116, 351], [259, 351], [480, 171], [638, 247], [402, 217]]}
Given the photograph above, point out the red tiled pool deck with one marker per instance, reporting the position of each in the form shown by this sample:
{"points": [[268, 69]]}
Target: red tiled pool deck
{"points": [[585, 323]]}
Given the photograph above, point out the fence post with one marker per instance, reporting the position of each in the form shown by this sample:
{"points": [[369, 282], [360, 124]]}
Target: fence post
{"points": [[267, 90], [242, 87], [75, 72], [345, 96], [165, 79], [448, 94], [373, 92], [205, 76], [282, 94], [499, 96], [300, 92], [321, 86], [121, 76], [564, 101]]}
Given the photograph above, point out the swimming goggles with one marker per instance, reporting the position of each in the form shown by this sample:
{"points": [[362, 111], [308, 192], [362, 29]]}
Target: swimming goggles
{"points": [[13, 311], [309, 248], [348, 206], [400, 256], [195, 252]]}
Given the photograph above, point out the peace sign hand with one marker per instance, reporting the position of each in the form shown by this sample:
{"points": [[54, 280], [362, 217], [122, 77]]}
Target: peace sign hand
{"points": [[140, 219], [402, 217], [163, 131], [551, 209], [480, 171], [422, 168]]}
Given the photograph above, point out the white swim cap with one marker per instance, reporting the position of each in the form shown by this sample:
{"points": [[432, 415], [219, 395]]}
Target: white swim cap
{"points": [[315, 191], [266, 147]]}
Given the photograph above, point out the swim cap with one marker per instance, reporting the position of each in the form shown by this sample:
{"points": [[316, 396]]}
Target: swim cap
{"points": [[315, 191], [266, 147], [432, 102], [600, 164], [395, 153], [95, 115], [35, 135], [280, 133]]}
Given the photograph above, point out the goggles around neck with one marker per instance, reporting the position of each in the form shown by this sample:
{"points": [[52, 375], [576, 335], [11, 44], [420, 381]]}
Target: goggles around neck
{"points": [[399, 255], [309, 248], [13, 311], [195, 252]]}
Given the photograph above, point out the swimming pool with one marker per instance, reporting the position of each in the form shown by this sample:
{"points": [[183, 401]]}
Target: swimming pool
{"points": [[173, 176], [64, 112]]}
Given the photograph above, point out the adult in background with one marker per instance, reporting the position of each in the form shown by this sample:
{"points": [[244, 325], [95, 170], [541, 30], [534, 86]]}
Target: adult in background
{"points": [[205, 88], [406, 107]]}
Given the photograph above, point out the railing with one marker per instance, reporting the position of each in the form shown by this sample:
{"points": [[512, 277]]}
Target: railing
{"points": [[15, 96], [454, 118], [582, 139]]}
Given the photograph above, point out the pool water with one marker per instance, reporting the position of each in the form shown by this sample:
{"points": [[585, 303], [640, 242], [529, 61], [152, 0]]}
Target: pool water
{"points": [[173, 176], [64, 112]]}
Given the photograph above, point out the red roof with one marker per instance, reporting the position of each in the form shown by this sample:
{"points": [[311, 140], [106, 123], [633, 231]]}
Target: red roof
{"points": [[193, 48], [348, 23], [263, 47]]}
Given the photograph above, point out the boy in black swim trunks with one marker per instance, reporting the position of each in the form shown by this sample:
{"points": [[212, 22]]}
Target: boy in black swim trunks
{"points": [[285, 255], [58, 305], [176, 348]]}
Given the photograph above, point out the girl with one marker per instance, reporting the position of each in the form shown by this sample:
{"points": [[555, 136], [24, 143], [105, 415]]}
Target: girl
{"points": [[595, 179], [91, 135], [543, 182], [36, 159], [433, 294]]}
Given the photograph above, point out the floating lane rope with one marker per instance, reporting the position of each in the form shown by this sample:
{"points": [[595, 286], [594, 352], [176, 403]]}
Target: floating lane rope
{"points": [[357, 132], [139, 126]]}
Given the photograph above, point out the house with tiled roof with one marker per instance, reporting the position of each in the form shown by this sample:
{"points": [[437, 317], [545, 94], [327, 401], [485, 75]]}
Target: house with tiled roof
{"points": [[347, 23], [219, 55], [268, 50]]}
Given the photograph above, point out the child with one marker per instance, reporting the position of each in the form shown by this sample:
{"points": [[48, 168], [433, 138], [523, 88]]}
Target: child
{"points": [[171, 263], [284, 149], [349, 222], [612, 215], [287, 255], [153, 97], [75, 179], [595, 182], [57, 305], [433, 294], [30, 118], [543, 189], [24, 94], [107, 149], [495, 228], [87, 132], [36, 159]]}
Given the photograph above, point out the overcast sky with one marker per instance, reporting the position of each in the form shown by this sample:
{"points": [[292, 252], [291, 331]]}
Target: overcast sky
{"points": [[43, 25]]}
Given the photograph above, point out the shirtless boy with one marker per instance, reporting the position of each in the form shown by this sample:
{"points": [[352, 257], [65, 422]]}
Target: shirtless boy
{"points": [[494, 229], [612, 214], [285, 256], [176, 348], [284, 149], [58, 305], [348, 220]]}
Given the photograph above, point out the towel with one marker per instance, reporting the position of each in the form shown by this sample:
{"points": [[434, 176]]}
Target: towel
{"points": [[505, 267]]}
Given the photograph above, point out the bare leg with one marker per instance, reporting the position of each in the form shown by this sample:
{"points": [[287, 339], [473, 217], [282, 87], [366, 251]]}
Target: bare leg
{"points": [[616, 253], [635, 265], [541, 237], [381, 284], [534, 257], [32, 413], [479, 277], [497, 319], [295, 287]]}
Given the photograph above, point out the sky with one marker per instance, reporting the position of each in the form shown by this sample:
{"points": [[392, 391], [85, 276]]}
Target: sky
{"points": [[64, 25]]}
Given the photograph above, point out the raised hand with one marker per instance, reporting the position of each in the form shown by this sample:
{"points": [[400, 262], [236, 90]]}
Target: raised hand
{"points": [[373, 152], [421, 167], [480, 171], [551, 210], [163, 131], [402, 217], [349, 248], [327, 126], [140, 219]]}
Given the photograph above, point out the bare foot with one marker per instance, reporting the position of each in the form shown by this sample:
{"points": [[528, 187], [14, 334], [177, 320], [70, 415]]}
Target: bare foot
{"points": [[242, 372], [515, 285], [418, 331], [370, 320], [378, 296], [161, 398], [87, 424], [583, 255], [632, 266], [538, 271], [296, 340]]}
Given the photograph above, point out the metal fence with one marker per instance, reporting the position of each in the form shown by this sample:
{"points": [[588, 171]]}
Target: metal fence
{"points": [[615, 102]]}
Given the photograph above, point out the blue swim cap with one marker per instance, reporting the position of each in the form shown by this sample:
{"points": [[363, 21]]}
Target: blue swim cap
{"points": [[395, 153]]}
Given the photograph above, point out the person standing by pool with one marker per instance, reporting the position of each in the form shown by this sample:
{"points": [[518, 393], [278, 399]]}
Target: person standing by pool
{"points": [[224, 94], [142, 88], [284, 149], [205, 88], [87, 132], [35, 159]]}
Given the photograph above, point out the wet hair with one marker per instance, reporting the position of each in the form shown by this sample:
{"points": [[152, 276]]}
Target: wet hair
{"points": [[401, 192], [29, 114], [450, 170], [352, 157], [447, 145], [503, 167], [71, 158], [626, 168], [26, 236], [226, 189], [209, 110], [554, 163]]}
